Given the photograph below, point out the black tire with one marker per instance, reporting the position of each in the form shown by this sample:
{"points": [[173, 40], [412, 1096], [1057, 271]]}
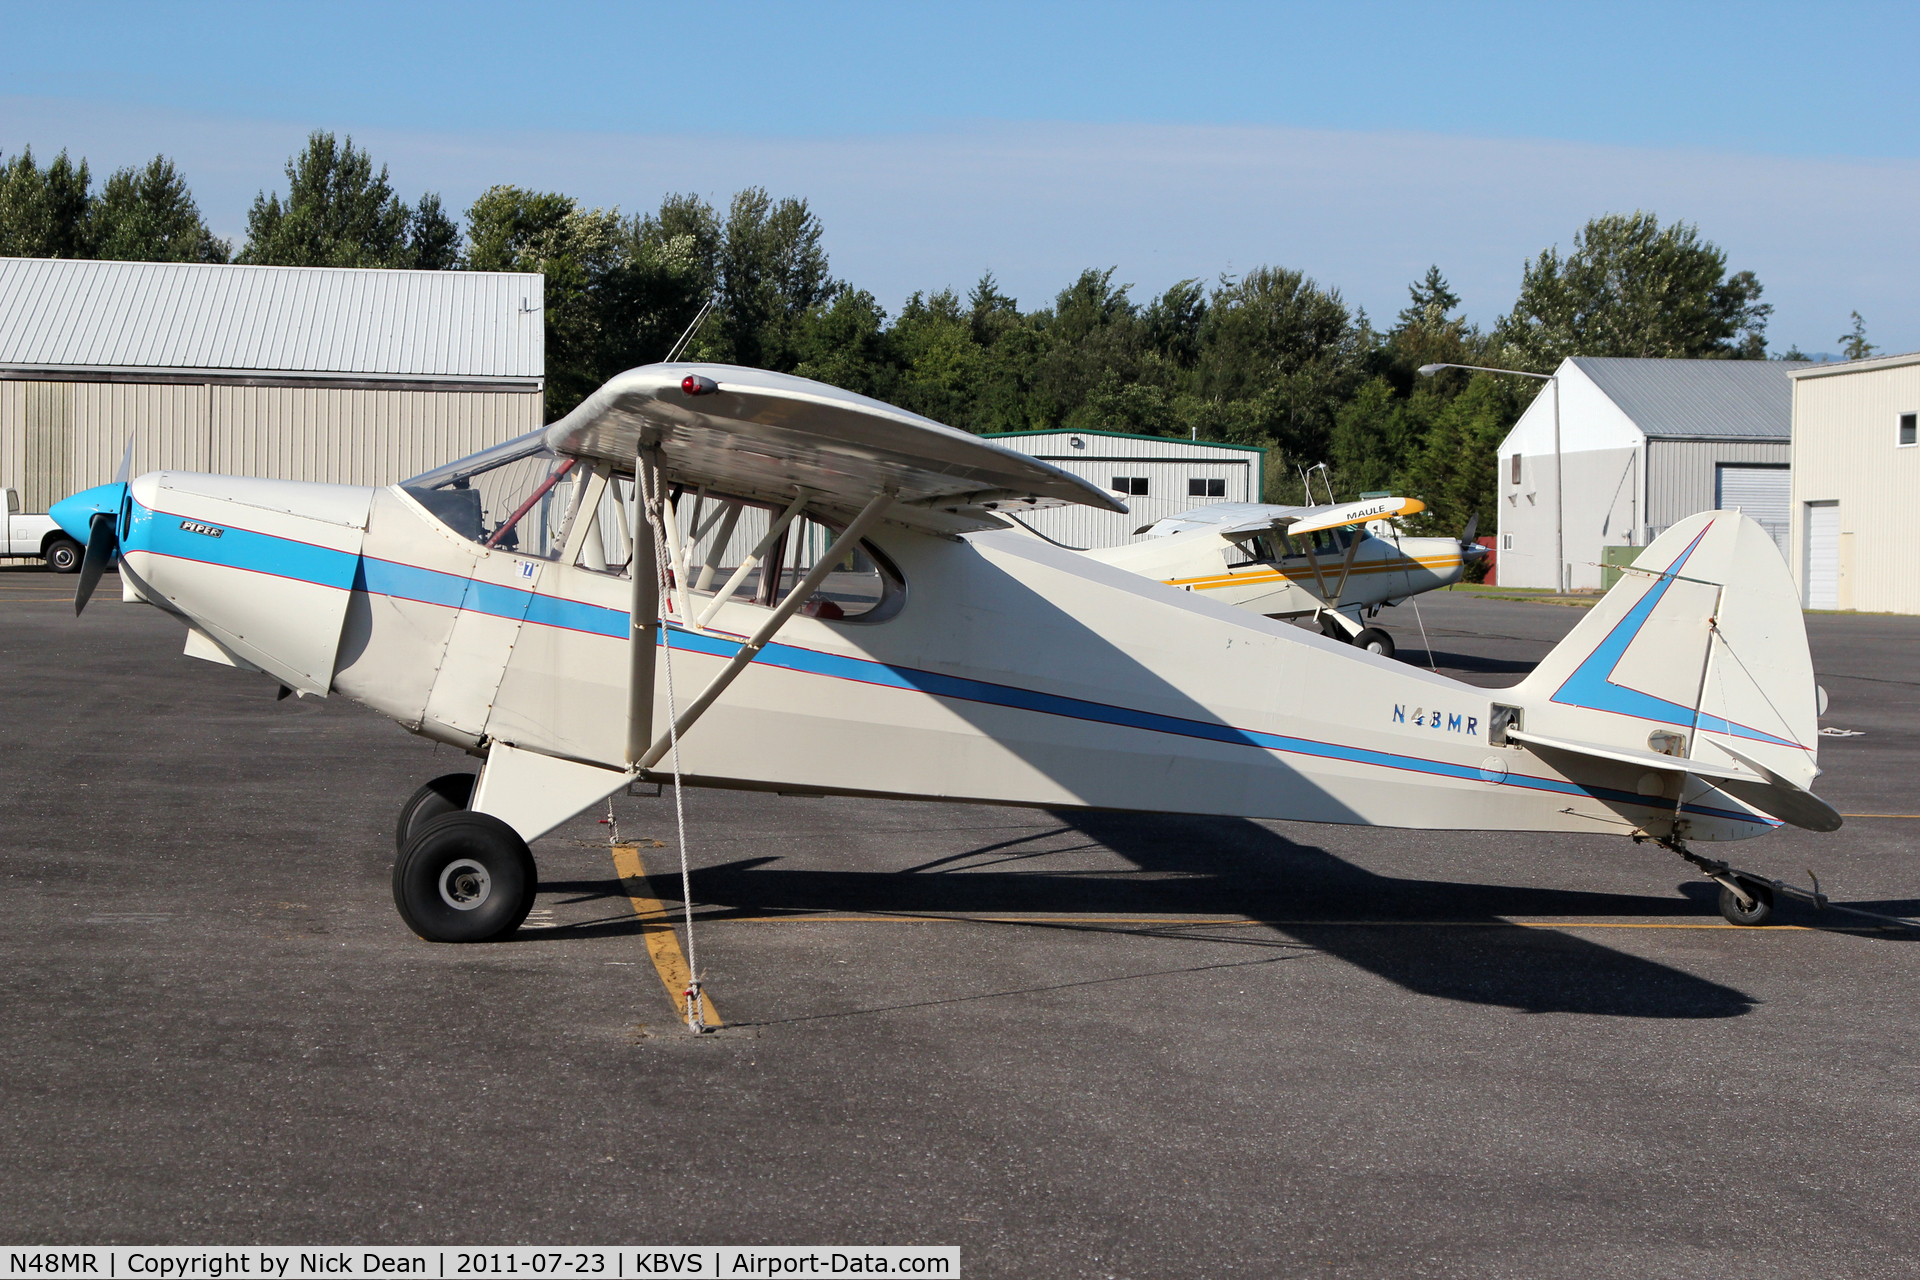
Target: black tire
{"points": [[1762, 904], [449, 793], [465, 877], [64, 555], [1374, 640]]}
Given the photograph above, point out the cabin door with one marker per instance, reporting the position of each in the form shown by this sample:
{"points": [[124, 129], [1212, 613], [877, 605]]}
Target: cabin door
{"points": [[492, 610]]}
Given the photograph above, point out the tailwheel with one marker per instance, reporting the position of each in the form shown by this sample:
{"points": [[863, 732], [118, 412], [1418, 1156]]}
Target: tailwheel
{"points": [[1374, 640], [464, 877], [449, 793], [1759, 913]]}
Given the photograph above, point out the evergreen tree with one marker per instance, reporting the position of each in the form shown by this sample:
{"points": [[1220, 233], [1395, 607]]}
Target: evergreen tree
{"points": [[1853, 343], [340, 213], [149, 215], [43, 212]]}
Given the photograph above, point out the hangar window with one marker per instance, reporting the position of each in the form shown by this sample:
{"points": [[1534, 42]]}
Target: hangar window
{"points": [[1515, 467], [1133, 486], [513, 497], [1199, 488], [1909, 428]]}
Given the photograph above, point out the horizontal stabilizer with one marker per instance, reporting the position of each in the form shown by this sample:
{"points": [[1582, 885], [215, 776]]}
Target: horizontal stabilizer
{"points": [[1779, 796], [1633, 755]]}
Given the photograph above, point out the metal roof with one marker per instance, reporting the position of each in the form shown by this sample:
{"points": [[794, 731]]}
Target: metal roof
{"points": [[1699, 399], [81, 314]]}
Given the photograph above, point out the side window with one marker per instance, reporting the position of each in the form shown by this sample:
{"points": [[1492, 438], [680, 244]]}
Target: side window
{"points": [[729, 548], [1514, 465], [1201, 488], [1133, 486], [1909, 428]]}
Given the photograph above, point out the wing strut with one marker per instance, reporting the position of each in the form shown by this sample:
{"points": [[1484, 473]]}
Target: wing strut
{"points": [[643, 627], [849, 538]]}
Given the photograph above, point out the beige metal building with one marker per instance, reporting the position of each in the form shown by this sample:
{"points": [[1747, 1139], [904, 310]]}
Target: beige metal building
{"points": [[1856, 461], [356, 377]]}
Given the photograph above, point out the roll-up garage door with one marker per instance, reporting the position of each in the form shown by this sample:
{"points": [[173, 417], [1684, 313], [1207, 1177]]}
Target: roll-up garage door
{"points": [[1823, 555], [1761, 492]]}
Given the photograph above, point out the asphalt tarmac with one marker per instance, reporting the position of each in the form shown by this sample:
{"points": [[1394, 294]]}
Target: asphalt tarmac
{"points": [[1072, 1044]]}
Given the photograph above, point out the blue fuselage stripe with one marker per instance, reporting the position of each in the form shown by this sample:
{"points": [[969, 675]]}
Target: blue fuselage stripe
{"points": [[283, 557]]}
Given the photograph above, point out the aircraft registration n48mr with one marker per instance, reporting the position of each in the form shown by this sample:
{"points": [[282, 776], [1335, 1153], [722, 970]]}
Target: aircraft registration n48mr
{"points": [[848, 613]]}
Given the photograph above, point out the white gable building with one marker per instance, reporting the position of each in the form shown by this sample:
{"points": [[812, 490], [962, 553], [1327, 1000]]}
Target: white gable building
{"points": [[1643, 444]]}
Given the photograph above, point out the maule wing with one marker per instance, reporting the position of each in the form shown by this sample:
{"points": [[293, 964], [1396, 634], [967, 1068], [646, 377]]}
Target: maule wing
{"points": [[1230, 518], [753, 434]]}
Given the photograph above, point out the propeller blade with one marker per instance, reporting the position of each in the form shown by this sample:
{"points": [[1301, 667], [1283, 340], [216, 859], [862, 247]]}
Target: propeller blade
{"points": [[126, 464], [101, 544], [1473, 527]]}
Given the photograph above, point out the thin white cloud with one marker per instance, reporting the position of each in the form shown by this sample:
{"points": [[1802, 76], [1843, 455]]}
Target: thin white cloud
{"points": [[1365, 212]]}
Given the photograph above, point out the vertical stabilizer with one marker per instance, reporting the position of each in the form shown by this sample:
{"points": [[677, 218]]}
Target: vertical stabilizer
{"points": [[1700, 643]]}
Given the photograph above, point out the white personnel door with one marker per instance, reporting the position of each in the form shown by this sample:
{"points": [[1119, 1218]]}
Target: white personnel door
{"points": [[1765, 493], [1823, 555]]}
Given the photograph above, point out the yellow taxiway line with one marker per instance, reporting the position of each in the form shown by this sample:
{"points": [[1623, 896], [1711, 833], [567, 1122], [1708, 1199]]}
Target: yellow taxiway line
{"points": [[1170, 922], [656, 926]]}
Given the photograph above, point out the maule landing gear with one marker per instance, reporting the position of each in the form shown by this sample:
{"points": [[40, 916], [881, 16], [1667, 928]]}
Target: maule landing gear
{"points": [[1374, 640], [448, 793], [464, 877]]}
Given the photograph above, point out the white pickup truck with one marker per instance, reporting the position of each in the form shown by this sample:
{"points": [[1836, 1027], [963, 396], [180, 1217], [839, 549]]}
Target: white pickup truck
{"points": [[36, 535]]}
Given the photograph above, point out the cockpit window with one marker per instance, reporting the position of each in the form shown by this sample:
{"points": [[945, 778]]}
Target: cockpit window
{"points": [[514, 497], [728, 549]]}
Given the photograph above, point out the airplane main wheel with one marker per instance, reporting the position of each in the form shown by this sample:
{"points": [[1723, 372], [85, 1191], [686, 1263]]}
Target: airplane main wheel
{"points": [[464, 877], [1374, 640], [448, 793], [1736, 914]]}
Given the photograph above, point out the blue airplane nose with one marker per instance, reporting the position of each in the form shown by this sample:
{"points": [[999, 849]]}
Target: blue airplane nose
{"points": [[74, 515]]}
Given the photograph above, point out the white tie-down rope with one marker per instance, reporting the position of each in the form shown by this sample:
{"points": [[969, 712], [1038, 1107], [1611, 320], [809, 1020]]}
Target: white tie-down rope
{"points": [[650, 501]]}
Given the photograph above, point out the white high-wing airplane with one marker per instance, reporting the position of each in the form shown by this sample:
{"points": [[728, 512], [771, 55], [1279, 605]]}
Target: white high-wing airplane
{"points": [[903, 644], [1291, 562]]}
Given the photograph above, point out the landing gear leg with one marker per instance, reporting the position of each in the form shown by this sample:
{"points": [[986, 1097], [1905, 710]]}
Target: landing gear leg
{"points": [[1745, 899]]}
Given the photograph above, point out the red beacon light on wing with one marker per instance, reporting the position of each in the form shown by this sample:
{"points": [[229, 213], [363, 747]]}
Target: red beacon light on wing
{"points": [[695, 385]]}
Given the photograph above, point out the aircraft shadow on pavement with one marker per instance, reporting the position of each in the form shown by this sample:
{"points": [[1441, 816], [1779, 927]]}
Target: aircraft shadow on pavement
{"points": [[1437, 938]]}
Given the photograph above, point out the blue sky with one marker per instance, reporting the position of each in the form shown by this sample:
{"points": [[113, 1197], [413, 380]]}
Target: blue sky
{"points": [[1358, 142]]}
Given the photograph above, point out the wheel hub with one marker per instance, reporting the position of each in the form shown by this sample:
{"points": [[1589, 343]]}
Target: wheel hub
{"points": [[465, 885]]}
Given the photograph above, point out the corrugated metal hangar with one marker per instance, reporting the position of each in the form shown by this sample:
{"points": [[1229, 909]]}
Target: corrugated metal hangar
{"points": [[1856, 462], [296, 373], [1643, 444], [1157, 476]]}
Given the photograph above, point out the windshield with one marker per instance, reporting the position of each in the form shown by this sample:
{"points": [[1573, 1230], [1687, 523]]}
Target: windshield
{"points": [[514, 496]]}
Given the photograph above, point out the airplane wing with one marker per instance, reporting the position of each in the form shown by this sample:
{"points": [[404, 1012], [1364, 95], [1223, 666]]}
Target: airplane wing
{"points": [[1229, 518], [1354, 513], [754, 434]]}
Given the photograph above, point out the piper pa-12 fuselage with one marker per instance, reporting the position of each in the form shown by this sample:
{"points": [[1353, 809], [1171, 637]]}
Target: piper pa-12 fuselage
{"points": [[847, 614]]}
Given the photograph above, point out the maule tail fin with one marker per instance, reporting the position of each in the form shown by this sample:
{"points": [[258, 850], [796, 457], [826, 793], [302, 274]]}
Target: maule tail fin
{"points": [[1698, 655]]}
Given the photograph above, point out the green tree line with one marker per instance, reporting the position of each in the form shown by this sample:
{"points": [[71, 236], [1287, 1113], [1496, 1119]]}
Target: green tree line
{"points": [[1267, 357]]}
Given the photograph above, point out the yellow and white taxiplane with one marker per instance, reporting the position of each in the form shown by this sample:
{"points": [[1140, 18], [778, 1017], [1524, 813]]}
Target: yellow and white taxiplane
{"points": [[832, 582], [1292, 562]]}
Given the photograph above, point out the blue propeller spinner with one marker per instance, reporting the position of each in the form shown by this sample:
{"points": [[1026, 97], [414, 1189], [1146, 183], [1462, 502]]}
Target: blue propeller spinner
{"points": [[92, 518]]}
